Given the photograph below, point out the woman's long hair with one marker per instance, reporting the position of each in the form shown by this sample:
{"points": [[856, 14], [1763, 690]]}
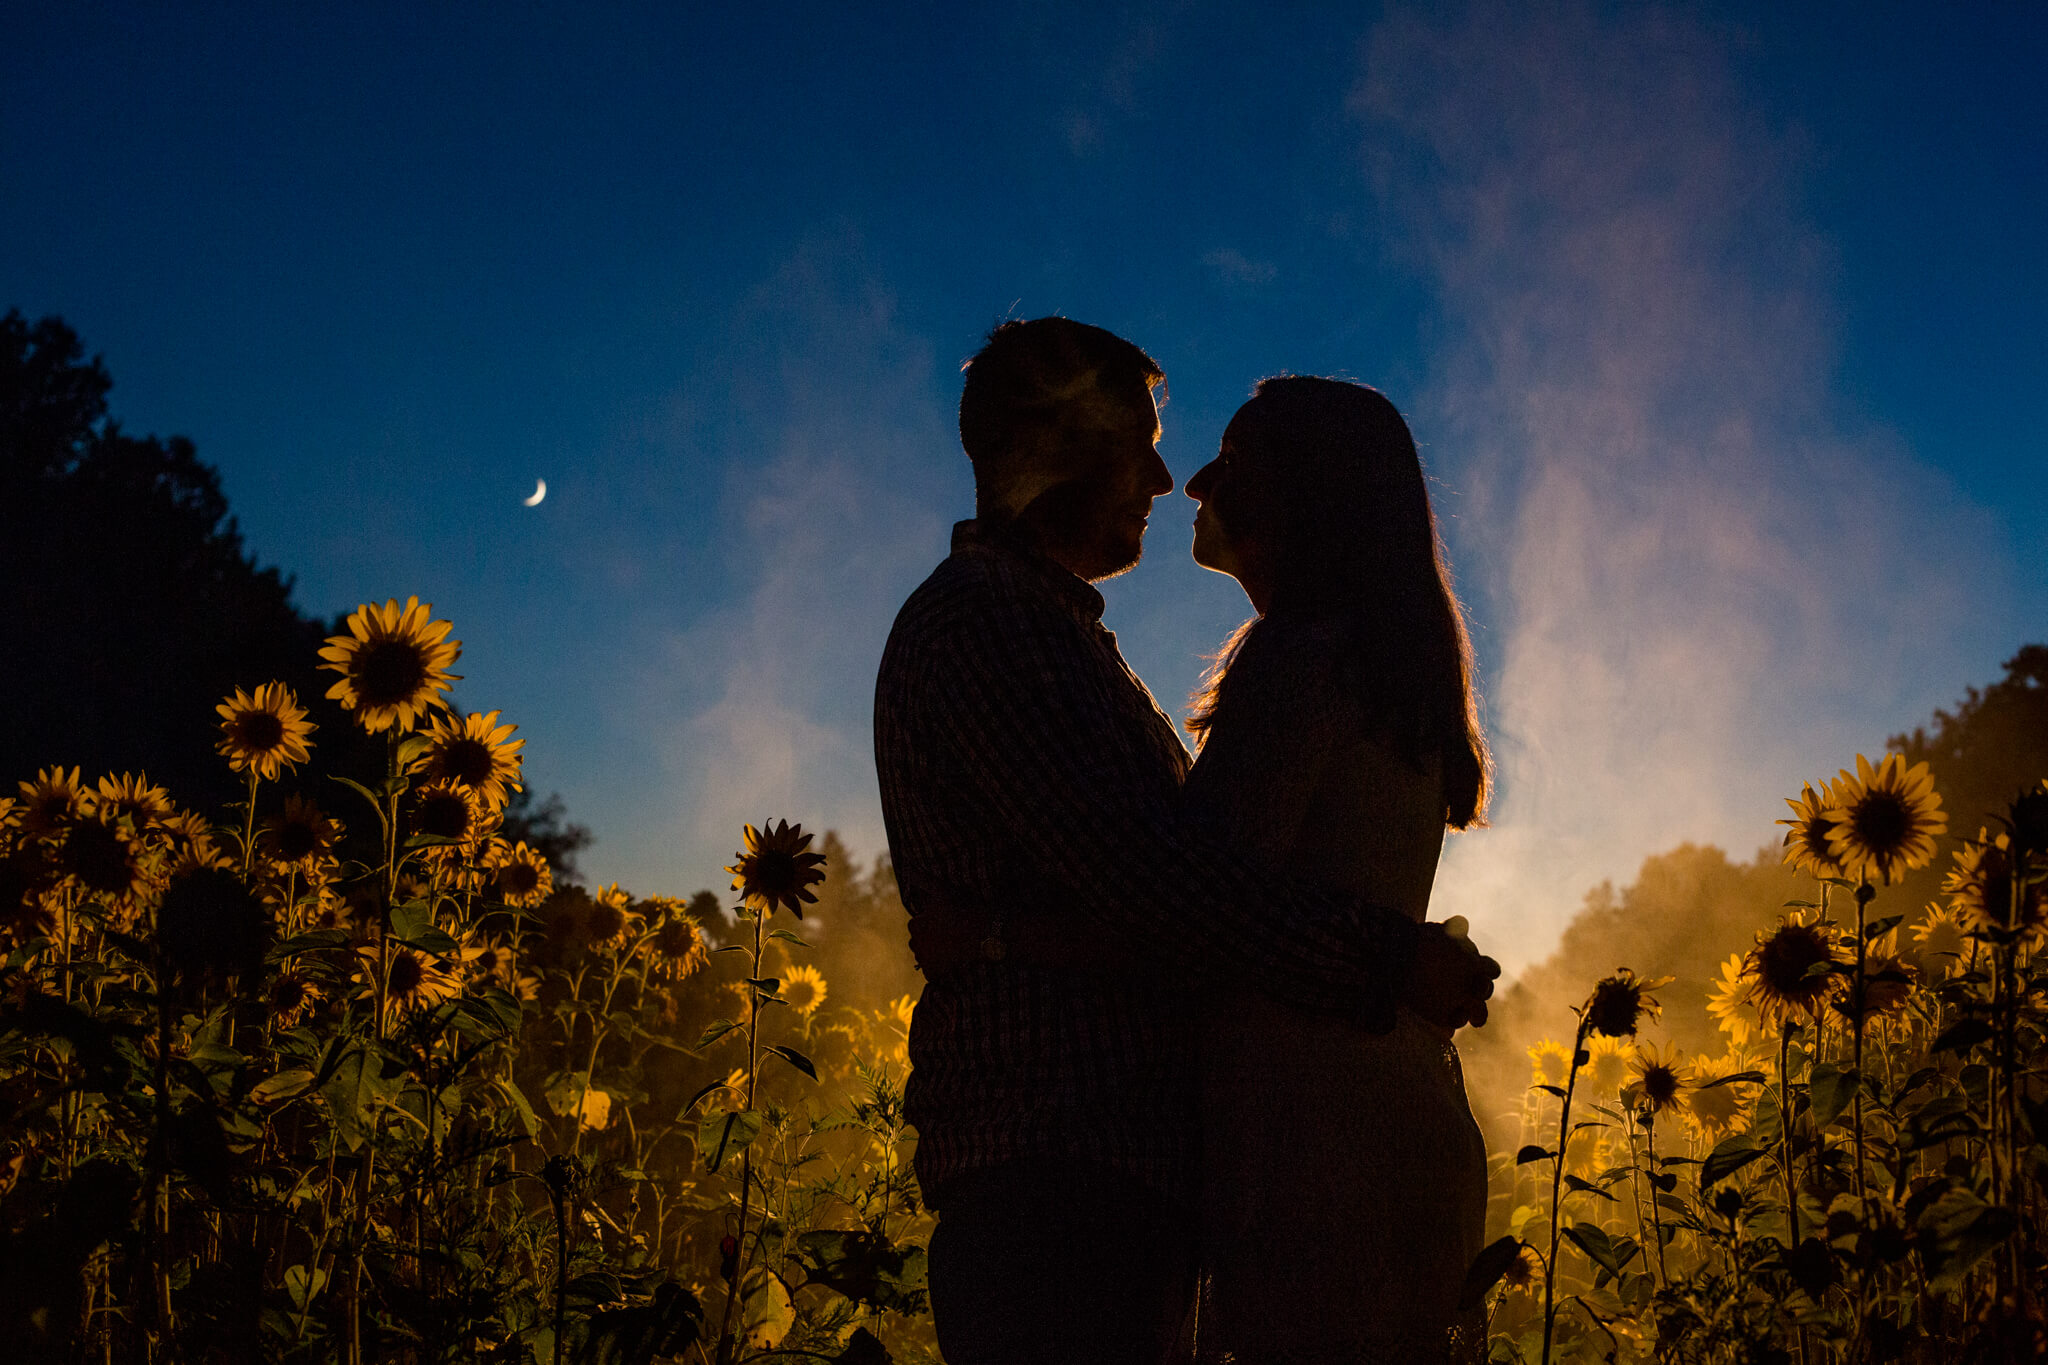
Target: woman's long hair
{"points": [[1355, 549]]}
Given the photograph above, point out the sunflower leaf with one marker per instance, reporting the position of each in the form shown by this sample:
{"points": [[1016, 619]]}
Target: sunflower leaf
{"points": [[723, 1135], [1588, 1187], [1556, 1090], [1878, 927], [1963, 1036], [1532, 1152], [717, 1030], [1486, 1269], [787, 937], [376, 802], [795, 1059], [1728, 1157], [1735, 1078]]}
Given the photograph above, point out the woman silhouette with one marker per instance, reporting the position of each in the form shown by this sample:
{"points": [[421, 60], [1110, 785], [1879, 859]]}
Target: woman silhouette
{"points": [[1344, 1177]]}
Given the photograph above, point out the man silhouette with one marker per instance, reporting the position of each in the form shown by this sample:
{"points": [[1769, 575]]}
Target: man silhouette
{"points": [[1061, 912]]}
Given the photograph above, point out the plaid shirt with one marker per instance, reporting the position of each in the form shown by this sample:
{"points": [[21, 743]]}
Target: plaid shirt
{"points": [[1022, 764]]}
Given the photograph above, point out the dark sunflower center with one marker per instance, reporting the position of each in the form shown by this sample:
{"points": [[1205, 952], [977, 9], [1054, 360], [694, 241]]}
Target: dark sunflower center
{"points": [[297, 839], [605, 921], [96, 855], [774, 873], [289, 994], [1881, 822], [407, 975], [258, 731], [1815, 832], [469, 761], [1615, 1007], [444, 815], [1787, 957], [1660, 1084], [388, 672], [519, 879]]}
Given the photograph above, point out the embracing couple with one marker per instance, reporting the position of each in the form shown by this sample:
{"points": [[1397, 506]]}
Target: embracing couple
{"points": [[1182, 1072]]}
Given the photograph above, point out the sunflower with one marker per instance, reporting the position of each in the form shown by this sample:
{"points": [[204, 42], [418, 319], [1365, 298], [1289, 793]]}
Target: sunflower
{"points": [[300, 835], [1724, 1001], [776, 870], [1659, 1080], [2028, 816], [189, 836], [1619, 1002], [803, 989], [476, 753], [1888, 980], [210, 923], [103, 858], [1939, 943], [1525, 1271], [610, 921], [524, 878], [1782, 969], [1606, 1066], [490, 961], [291, 998], [264, 731], [676, 949], [416, 980], [442, 810], [10, 813], [1715, 1106], [1550, 1063], [1884, 819], [26, 875], [1980, 889], [135, 799], [1806, 841], [393, 663], [594, 1111], [53, 800]]}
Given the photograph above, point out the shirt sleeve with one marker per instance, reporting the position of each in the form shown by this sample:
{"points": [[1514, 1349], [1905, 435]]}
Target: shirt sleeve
{"points": [[1038, 737]]}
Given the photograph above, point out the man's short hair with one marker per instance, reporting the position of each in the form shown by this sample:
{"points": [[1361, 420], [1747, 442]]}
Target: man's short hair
{"points": [[1033, 378]]}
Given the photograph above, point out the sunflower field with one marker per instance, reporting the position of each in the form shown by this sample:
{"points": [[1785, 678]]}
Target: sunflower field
{"points": [[344, 1076], [1858, 1175]]}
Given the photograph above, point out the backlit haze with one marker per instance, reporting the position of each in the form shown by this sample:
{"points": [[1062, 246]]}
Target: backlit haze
{"points": [[1721, 337]]}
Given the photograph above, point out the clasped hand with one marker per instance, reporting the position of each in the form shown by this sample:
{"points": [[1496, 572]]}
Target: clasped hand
{"points": [[1451, 980]]}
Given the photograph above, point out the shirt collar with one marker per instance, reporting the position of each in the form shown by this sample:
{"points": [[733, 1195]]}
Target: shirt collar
{"points": [[1070, 591]]}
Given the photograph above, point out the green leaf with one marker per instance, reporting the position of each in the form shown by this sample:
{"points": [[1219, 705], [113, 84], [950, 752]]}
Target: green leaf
{"points": [[1833, 1088], [723, 1135], [1610, 1254], [1878, 927], [1486, 1269], [767, 985], [1737, 1078], [1588, 1187], [376, 801], [283, 1086], [1728, 1157], [718, 1029], [795, 1059], [303, 1284], [1554, 1090], [1532, 1152], [410, 919], [521, 1107], [1963, 1036], [787, 937], [766, 1311], [865, 1267]]}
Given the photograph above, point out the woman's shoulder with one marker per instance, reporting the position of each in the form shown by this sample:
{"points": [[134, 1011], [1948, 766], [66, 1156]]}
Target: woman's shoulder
{"points": [[1285, 654]]}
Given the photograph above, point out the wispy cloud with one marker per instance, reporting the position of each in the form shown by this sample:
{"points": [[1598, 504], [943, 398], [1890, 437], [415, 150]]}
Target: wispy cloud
{"points": [[1234, 267], [1705, 580], [761, 708]]}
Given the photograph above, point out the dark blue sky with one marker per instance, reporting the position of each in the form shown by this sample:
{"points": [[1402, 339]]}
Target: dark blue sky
{"points": [[1721, 335]]}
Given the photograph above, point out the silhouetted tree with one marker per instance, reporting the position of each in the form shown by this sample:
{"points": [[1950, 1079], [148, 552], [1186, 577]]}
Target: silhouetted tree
{"points": [[129, 607]]}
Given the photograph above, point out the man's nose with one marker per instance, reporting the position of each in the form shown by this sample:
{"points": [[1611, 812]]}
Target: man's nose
{"points": [[1158, 478]]}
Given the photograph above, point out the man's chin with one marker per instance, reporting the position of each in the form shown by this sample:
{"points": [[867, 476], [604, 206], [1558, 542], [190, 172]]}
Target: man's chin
{"points": [[1119, 559]]}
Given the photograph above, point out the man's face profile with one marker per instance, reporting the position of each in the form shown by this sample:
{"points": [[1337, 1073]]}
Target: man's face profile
{"points": [[1095, 523]]}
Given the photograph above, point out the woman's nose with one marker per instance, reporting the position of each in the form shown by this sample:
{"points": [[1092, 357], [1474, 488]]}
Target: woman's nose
{"points": [[1198, 482]]}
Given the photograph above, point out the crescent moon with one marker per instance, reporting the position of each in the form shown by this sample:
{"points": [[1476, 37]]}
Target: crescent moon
{"points": [[540, 490]]}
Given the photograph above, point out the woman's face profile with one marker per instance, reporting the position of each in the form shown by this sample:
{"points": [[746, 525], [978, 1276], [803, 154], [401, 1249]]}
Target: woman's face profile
{"points": [[1229, 496]]}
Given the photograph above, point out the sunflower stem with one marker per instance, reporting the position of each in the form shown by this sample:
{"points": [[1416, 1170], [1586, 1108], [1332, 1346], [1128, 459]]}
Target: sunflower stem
{"points": [[249, 826], [1864, 894], [1564, 1119]]}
